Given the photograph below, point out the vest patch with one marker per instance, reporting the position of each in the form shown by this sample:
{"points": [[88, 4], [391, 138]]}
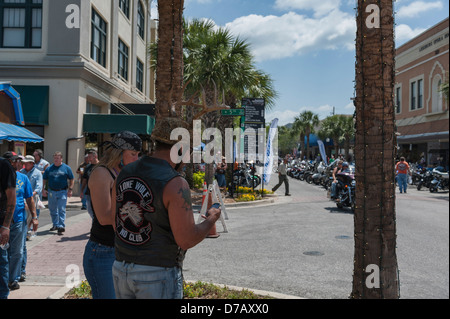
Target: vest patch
{"points": [[134, 199]]}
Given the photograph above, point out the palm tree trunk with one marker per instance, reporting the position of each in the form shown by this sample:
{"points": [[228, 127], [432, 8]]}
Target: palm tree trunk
{"points": [[375, 264], [169, 79]]}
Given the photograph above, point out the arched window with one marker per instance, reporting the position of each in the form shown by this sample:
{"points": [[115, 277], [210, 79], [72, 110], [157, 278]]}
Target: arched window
{"points": [[436, 94]]}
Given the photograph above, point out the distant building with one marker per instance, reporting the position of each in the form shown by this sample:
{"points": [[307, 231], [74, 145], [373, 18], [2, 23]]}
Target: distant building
{"points": [[72, 58], [422, 65]]}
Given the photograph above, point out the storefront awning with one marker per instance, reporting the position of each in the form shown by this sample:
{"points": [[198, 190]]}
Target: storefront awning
{"points": [[35, 103], [115, 123], [10, 132], [424, 137]]}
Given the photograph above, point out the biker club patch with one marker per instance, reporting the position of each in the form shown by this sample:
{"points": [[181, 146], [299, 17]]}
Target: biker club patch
{"points": [[134, 199]]}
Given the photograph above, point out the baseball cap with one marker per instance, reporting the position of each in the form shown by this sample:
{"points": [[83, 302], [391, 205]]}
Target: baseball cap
{"points": [[10, 156]]}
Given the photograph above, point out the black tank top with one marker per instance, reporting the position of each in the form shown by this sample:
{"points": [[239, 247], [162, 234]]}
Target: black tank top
{"points": [[101, 234], [143, 232]]}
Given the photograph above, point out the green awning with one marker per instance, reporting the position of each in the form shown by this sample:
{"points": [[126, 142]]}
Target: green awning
{"points": [[115, 123], [35, 101]]}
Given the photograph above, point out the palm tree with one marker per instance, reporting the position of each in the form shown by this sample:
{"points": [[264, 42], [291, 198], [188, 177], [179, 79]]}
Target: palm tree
{"points": [[307, 120], [347, 124], [375, 272], [222, 67], [169, 70], [298, 130], [332, 127]]}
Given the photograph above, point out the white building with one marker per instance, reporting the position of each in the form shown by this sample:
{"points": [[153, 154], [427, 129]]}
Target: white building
{"points": [[67, 58]]}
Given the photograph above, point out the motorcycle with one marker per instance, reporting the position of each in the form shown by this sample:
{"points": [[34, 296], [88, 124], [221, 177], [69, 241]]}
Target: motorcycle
{"points": [[346, 190], [320, 173], [245, 177], [425, 180], [440, 181]]}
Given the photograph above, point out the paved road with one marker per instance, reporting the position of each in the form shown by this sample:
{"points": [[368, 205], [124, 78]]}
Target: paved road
{"points": [[269, 248]]}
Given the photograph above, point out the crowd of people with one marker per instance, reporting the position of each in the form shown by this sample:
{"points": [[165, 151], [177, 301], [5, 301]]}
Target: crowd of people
{"points": [[141, 209]]}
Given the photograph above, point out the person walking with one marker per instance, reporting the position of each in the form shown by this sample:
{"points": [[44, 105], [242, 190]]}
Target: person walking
{"points": [[60, 185], [155, 225], [41, 163], [402, 171], [283, 178], [36, 180], [99, 254], [7, 207]]}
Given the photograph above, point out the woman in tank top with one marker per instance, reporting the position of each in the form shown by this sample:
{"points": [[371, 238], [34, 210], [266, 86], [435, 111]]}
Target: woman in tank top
{"points": [[99, 253]]}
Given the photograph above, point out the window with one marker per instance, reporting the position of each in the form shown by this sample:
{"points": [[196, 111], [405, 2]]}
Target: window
{"points": [[141, 21], [398, 100], [98, 39], [123, 60], [416, 94], [92, 108], [436, 95], [124, 5], [20, 23], [140, 75]]}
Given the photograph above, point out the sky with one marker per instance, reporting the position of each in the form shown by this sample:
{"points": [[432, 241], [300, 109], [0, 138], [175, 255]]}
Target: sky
{"points": [[307, 46]]}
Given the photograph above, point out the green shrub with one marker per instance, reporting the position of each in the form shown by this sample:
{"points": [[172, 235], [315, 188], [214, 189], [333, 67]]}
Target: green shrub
{"points": [[199, 179]]}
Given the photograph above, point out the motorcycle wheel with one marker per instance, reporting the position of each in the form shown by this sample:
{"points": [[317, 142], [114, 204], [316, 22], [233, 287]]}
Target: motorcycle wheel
{"points": [[419, 186], [433, 189], [309, 179]]}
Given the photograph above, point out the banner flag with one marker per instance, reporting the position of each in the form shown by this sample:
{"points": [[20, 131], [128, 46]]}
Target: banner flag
{"points": [[268, 164], [322, 152]]}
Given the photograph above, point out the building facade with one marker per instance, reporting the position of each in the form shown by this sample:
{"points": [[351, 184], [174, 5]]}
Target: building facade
{"points": [[422, 113], [69, 58]]}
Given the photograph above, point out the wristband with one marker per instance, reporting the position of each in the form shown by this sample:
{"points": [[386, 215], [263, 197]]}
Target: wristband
{"points": [[34, 218]]}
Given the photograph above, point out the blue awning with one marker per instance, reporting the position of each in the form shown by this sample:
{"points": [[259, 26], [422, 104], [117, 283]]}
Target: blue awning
{"points": [[15, 96], [11, 132]]}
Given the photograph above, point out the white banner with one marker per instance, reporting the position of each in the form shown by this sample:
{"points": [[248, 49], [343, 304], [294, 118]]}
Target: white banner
{"points": [[268, 164], [322, 152]]}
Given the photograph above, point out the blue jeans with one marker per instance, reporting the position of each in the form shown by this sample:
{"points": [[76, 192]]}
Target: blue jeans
{"points": [[16, 242], [97, 263], [221, 181], [402, 180], [133, 281], [4, 274], [57, 201]]}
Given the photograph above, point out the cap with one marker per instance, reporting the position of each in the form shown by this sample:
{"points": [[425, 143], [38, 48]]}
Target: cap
{"points": [[164, 127], [28, 159], [127, 140], [10, 156]]}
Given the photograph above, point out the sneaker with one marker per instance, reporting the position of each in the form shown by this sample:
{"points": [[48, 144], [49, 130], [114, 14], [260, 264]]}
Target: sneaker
{"points": [[61, 230], [14, 285], [288, 195], [23, 277], [53, 228]]}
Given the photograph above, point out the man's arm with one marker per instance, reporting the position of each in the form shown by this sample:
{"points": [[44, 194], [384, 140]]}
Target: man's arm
{"points": [[177, 200], [32, 207], [10, 206]]}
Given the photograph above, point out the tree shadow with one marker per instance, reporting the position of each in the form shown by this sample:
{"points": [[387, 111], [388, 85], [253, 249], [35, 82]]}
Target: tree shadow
{"points": [[336, 210]]}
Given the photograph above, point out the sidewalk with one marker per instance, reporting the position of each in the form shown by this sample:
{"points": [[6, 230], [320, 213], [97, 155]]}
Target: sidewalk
{"points": [[53, 259]]}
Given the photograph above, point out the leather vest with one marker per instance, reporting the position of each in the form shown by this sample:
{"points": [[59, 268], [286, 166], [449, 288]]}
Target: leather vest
{"points": [[143, 235]]}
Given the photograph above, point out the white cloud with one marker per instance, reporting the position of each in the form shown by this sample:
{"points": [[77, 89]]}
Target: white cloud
{"points": [[276, 37], [418, 7], [320, 8], [288, 116], [404, 33]]}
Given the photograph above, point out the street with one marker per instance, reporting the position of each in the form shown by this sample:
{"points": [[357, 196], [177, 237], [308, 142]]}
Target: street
{"points": [[303, 246]]}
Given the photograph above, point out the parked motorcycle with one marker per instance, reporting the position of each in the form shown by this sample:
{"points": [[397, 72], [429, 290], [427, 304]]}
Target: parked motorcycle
{"points": [[439, 182], [425, 180], [244, 177]]}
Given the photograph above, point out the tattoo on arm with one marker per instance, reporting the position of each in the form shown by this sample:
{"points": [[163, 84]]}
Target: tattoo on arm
{"points": [[186, 194]]}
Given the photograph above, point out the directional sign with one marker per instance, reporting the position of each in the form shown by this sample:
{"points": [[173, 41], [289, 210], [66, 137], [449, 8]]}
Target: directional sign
{"points": [[233, 112]]}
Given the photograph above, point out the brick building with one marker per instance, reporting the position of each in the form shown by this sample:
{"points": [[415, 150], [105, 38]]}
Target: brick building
{"points": [[422, 66]]}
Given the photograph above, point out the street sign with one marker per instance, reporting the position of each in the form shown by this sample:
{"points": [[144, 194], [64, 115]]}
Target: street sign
{"points": [[254, 110], [233, 112]]}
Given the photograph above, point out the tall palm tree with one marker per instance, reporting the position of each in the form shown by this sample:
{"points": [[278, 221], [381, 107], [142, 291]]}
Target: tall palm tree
{"points": [[375, 272], [347, 124], [169, 69], [308, 120], [298, 130], [222, 67], [332, 127]]}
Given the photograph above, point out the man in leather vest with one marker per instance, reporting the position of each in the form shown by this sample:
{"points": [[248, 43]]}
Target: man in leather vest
{"points": [[154, 222]]}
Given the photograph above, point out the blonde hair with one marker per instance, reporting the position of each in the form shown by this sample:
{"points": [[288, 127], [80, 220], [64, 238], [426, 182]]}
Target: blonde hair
{"points": [[111, 158]]}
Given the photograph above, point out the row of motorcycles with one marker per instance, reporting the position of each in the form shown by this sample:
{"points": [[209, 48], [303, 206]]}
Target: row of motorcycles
{"points": [[320, 174], [434, 179]]}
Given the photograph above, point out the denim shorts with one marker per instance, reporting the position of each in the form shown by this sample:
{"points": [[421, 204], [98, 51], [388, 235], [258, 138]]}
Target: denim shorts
{"points": [[133, 281]]}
